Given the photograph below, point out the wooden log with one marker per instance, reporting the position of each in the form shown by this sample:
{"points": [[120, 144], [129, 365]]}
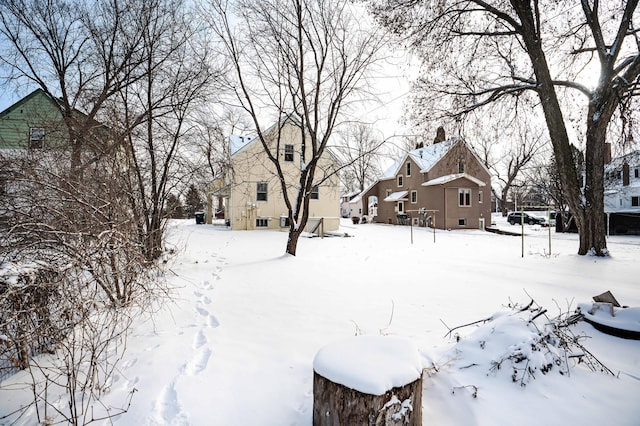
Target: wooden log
{"points": [[338, 405]]}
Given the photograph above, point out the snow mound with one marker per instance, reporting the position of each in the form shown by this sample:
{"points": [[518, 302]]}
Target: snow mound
{"points": [[370, 364], [521, 345]]}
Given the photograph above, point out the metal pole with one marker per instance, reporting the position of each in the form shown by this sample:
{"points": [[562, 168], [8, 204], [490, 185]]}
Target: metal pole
{"points": [[411, 226], [522, 229], [549, 224]]}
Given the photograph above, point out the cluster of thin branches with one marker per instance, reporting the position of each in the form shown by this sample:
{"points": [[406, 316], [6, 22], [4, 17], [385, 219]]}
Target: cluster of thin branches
{"points": [[71, 272], [553, 345]]}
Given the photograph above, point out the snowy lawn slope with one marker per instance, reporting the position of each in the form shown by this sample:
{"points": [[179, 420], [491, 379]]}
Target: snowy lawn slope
{"points": [[237, 345]]}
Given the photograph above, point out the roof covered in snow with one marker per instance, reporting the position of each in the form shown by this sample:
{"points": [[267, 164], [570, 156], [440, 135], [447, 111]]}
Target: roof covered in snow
{"points": [[425, 157], [450, 178], [238, 142], [397, 196]]}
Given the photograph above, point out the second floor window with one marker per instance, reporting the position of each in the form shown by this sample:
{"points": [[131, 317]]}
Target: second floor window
{"points": [[414, 197], [315, 193], [288, 152], [261, 193], [464, 197], [400, 180], [635, 201], [36, 138]]}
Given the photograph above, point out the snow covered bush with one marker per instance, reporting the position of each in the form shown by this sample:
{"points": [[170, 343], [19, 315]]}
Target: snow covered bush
{"points": [[522, 344]]}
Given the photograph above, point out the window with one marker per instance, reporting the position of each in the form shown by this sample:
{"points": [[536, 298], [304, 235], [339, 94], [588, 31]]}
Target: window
{"points": [[636, 173], [400, 180], [315, 193], [400, 206], [462, 222], [414, 197], [389, 192], [464, 197], [635, 201], [261, 192], [262, 222], [408, 169], [479, 197], [288, 152], [460, 167], [36, 137]]}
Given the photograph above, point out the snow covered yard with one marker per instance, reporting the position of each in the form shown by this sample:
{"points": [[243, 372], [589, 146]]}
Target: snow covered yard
{"points": [[236, 347]]}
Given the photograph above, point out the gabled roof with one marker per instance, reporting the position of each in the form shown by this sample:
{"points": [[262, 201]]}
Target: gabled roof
{"points": [[612, 183], [425, 157], [632, 159], [237, 142], [56, 102], [450, 178], [37, 92]]}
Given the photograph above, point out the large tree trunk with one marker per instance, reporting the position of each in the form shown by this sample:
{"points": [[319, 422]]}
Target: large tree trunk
{"points": [[292, 241], [599, 115], [555, 121]]}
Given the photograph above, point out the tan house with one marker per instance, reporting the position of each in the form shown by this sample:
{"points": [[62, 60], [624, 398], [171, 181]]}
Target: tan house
{"points": [[251, 192], [443, 185]]}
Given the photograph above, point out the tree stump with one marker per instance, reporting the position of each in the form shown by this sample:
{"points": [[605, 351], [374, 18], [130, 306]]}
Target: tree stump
{"points": [[368, 380]]}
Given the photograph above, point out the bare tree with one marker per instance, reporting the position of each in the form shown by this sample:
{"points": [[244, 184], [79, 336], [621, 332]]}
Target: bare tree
{"points": [[82, 212], [158, 114], [506, 149], [300, 60], [504, 48], [358, 156]]}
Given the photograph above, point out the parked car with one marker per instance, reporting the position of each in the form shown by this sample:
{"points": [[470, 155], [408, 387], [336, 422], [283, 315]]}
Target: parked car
{"points": [[219, 214], [516, 218]]}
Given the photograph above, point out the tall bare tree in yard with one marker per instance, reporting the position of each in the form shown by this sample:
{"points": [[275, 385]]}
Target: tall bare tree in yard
{"points": [[158, 113], [358, 156], [507, 148], [480, 51], [301, 60]]}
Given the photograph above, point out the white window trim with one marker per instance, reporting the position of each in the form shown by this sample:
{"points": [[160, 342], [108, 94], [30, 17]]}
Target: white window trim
{"points": [[400, 181], [460, 191], [408, 168], [411, 197]]}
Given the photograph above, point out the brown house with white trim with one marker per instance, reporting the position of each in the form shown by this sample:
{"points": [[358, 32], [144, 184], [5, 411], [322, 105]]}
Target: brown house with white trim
{"points": [[443, 185]]}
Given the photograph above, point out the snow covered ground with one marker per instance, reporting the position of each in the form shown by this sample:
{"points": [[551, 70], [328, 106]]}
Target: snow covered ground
{"points": [[236, 347]]}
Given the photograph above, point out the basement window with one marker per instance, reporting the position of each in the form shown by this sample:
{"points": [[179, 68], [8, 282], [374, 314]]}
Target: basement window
{"points": [[262, 222]]}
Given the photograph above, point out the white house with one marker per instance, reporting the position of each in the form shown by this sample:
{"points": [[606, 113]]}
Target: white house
{"points": [[252, 192], [622, 194]]}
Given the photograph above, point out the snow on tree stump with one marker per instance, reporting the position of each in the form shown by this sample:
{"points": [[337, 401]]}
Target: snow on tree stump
{"points": [[368, 380]]}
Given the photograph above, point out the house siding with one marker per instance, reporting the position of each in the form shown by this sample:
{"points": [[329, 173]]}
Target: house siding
{"points": [[35, 110], [250, 166], [441, 200]]}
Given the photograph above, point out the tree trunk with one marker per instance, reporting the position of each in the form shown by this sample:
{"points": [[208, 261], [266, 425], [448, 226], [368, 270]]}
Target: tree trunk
{"points": [[595, 229], [554, 119], [338, 405], [292, 241]]}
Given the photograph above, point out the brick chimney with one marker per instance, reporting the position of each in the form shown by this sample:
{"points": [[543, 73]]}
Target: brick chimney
{"points": [[440, 135], [625, 173]]}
